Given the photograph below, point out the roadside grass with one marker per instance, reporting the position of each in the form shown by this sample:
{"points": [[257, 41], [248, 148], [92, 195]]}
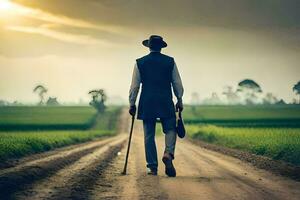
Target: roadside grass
{"points": [[244, 116], [276, 143], [46, 117], [16, 144], [109, 120]]}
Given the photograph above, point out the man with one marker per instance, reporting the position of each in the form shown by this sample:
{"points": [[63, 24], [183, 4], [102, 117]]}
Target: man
{"points": [[157, 73]]}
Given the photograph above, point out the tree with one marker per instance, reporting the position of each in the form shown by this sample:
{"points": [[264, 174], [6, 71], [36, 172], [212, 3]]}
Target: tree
{"points": [[296, 89], [213, 100], [52, 101], [281, 102], [270, 99], [41, 90], [195, 101], [249, 89], [232, 97], [98, 99], [3, 103]]}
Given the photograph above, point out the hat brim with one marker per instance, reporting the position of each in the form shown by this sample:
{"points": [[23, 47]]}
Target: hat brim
{"points": [[162, 44]]}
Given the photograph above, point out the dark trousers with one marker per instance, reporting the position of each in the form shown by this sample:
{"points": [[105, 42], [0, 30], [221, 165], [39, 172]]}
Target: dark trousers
{"points": [[169, 129]]}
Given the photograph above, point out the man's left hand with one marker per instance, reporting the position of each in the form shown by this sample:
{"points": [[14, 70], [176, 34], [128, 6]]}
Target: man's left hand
{"points": [[132, 110]]}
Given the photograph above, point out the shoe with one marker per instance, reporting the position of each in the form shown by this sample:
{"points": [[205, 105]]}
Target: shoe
{"points": [[170, 169], [152, 172]]}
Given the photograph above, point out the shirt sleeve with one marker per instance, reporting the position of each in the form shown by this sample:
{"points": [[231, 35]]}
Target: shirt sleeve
{"points": [[135, 85], [177, 83]]}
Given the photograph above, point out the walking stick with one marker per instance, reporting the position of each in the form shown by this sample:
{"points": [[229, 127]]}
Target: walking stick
{"points": [[128, 147]]}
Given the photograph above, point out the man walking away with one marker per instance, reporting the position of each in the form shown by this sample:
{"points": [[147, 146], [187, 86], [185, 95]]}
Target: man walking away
{"points": [[157, 73]]}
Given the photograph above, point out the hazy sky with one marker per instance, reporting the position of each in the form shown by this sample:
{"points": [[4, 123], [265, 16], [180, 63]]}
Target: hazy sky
{"points": [[72, 46]]}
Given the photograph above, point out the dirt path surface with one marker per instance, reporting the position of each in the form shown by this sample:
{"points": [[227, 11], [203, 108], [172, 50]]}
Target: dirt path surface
{"points": [[92, 171], [201, 174]]}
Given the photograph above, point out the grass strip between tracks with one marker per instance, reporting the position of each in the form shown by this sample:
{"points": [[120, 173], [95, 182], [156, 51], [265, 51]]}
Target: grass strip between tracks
{"points": [[18, 144]]}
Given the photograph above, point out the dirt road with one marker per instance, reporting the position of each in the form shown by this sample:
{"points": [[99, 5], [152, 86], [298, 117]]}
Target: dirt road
{"points": [[202, 174], [92, 171]]}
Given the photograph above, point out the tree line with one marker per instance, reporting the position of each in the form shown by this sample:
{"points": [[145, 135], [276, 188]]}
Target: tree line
{"points": [[248, 92], [98, 98]]}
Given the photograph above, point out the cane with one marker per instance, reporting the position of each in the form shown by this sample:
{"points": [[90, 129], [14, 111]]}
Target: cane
{"points": [[128, 147]]}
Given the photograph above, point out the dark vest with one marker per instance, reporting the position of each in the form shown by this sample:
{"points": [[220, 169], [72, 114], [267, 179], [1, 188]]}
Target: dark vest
{"points": [[156, 96]]}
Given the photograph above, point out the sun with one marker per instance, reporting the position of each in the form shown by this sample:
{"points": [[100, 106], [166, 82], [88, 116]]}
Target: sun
{"points": [[9, 9], [5, 5]]}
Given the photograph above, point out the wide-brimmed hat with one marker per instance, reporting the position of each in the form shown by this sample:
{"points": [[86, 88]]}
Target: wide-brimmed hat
{"points": [[155, 41]]}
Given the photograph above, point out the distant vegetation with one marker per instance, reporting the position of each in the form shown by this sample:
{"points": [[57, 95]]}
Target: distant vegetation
{"points": [[277, 143], [296, 89], [41, 91], [98, 100], [239, 116], [247, 92], [46, 118]]}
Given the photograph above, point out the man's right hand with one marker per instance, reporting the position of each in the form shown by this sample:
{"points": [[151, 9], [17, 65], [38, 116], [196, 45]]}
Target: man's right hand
{"points": [[132, 110], [179, 106]]}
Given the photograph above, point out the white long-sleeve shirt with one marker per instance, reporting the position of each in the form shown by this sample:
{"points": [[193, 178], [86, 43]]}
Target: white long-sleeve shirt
{"points": [[136, 82]]}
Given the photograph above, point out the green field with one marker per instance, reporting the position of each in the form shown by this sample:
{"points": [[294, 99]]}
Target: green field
{"points": [[46, 118], [271, 131], [265, 130], [15, 144], [277, 143], [244, 116], [18, 144]]}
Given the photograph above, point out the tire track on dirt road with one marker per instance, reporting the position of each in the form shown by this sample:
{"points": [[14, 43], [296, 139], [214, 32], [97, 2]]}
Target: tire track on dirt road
{"points": [[24, 174], [204, 174], [136, 184], [16, 178], [75, 180]]}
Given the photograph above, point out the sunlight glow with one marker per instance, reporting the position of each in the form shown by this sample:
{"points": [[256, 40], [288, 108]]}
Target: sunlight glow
{"points": [[5, 5], [12, 14], [8, 9]]}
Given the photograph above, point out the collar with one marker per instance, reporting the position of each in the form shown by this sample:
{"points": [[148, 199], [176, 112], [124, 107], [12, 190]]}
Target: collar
{"points": [[154, 51]]}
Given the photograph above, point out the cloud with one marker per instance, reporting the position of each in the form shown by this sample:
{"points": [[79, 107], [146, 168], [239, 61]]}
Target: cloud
{"points": [[65, 37], [48, 22], [232, 14], [61, 19]]}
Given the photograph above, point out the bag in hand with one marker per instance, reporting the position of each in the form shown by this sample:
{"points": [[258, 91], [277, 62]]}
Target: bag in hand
{"points": [[180, 125]]}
